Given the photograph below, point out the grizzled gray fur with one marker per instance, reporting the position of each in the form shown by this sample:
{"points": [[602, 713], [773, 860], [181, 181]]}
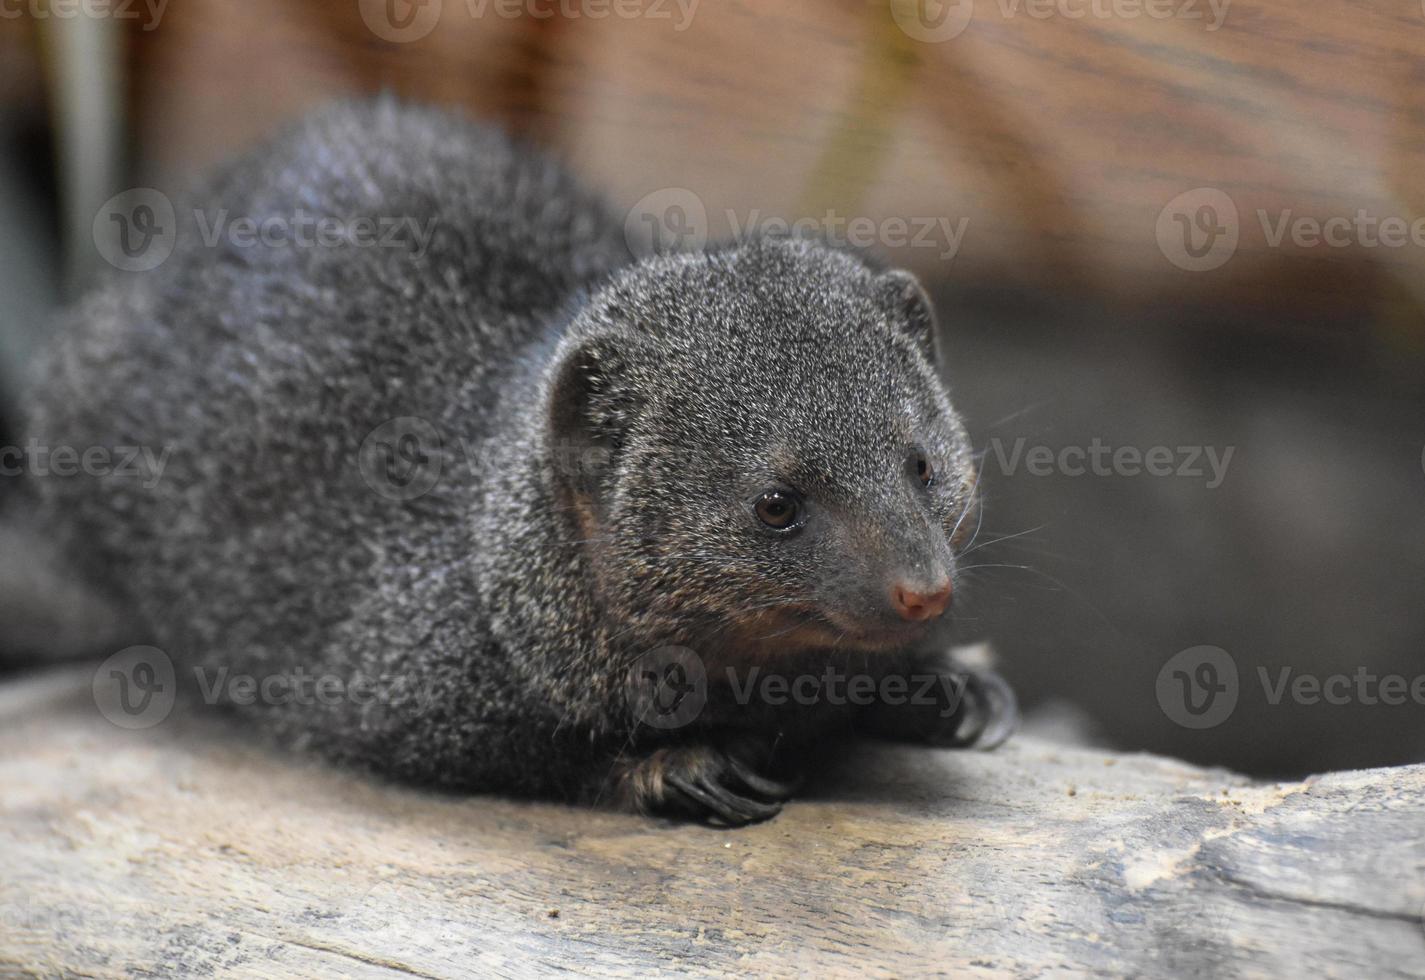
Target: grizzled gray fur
{"points": [[745, 453]]}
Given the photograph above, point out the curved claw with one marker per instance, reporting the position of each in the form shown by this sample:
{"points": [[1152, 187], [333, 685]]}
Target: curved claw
{"points": [[712, 782], [1000, 709], [988, 715], [733, 809], [771, 788]]}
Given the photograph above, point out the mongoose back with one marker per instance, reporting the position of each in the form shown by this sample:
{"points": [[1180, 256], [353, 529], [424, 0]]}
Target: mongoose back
{"points": [[560, 511]]}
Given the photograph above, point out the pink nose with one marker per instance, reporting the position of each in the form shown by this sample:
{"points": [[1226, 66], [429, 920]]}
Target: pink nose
{"points": [[916, 605]]}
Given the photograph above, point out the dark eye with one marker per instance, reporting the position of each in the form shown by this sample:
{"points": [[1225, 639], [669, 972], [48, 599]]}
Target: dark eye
{"points": [[779, 509], [924, 472]]}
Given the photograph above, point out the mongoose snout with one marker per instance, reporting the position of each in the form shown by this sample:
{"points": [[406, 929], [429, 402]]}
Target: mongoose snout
{"points": [[918, 603]]}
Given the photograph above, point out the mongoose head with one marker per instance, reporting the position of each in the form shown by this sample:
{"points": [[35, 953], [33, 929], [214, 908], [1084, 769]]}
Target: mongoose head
{"points": [[771, 461]]}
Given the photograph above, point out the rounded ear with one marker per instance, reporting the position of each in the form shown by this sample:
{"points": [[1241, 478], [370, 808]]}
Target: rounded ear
{"points": [[911, 310], [592, 401]]}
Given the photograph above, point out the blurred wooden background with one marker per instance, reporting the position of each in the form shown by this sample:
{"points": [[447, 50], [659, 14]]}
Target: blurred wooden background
{"points": [[1059, 128], [1060, 139]]}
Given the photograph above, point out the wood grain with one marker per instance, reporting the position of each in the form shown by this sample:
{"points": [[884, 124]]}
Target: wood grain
{"points": [[180, 851]]}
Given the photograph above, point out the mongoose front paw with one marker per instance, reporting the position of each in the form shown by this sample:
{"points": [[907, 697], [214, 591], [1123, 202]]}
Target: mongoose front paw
{"points": [[965, 707], [988, 712], [705, 783]]}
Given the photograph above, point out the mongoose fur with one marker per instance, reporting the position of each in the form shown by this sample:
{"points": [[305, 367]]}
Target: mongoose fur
{"points": [[606, 432]]}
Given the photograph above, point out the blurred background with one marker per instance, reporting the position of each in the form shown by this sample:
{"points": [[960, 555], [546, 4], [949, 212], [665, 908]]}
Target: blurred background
{"points": [[1184, 232]]}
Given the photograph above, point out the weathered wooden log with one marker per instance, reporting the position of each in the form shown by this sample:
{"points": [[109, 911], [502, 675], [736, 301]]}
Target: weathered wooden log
{"points": [[183, 850]]}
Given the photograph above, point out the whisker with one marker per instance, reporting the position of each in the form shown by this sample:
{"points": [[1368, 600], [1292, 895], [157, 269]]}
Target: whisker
{"points": [[970, 497], [1023, 411], [1007, 537], [979, 522], [1058, 582]]}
